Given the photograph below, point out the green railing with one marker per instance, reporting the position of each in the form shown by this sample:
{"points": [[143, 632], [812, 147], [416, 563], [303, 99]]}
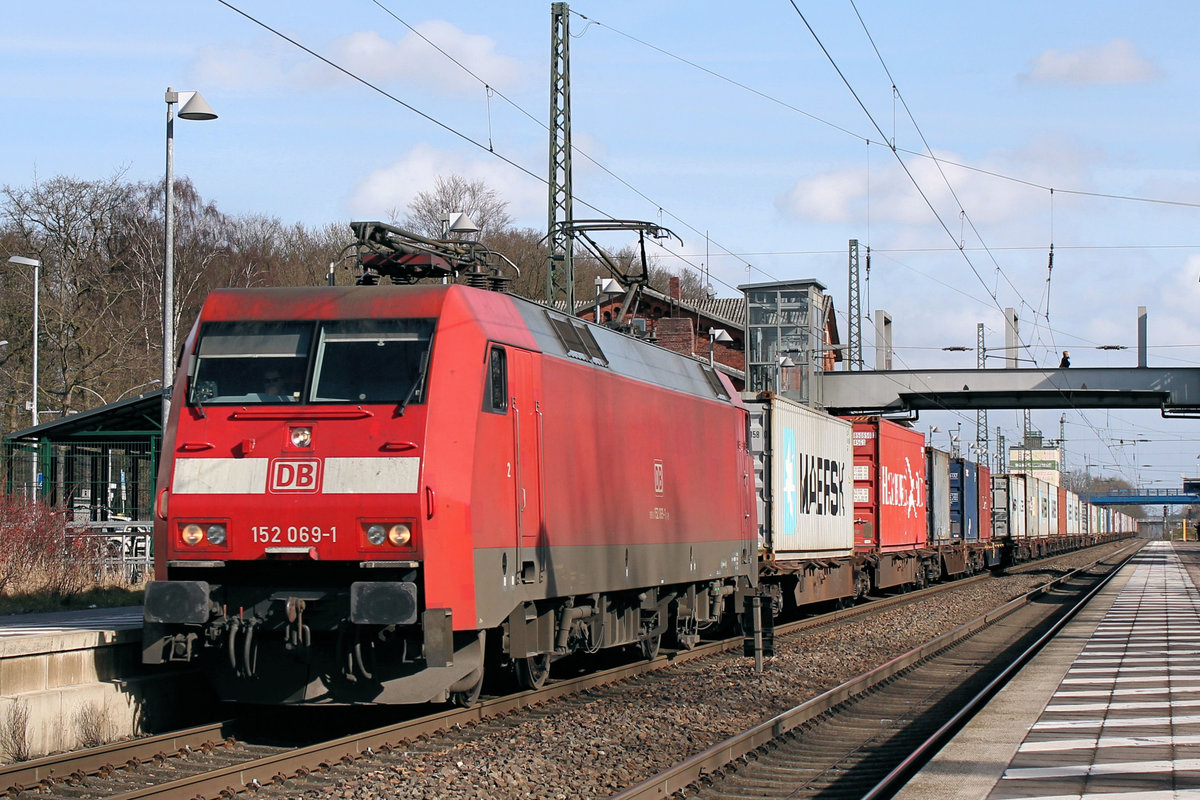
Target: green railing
{"points": [[92, 481]]}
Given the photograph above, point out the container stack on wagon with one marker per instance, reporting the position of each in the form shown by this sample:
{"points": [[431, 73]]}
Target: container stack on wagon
{"points": [[804, 494], [903, 515]]}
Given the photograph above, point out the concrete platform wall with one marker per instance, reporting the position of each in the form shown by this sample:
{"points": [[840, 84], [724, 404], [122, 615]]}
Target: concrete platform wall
{"points": [[87, 687]]}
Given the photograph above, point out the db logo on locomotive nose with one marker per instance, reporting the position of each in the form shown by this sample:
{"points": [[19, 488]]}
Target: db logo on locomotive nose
{"points": [[295, 475]]}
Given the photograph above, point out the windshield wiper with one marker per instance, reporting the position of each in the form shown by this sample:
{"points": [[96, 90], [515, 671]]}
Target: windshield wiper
{"points": [[416, 384]]}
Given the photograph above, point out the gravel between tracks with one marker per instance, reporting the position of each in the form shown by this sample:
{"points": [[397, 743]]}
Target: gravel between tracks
{"points": [[599, 743]]}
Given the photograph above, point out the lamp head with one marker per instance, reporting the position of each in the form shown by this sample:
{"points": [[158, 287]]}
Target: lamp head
{"points": [[197, 108], [461, 223], [25, 262]]}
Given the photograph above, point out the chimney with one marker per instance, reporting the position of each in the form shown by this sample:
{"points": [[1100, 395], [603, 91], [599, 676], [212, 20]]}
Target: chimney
{"points": [[676, 291]]}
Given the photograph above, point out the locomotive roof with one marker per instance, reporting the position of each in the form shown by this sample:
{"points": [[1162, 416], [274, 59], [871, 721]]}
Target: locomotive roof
{"points": [[554, 333], [622, 354]]}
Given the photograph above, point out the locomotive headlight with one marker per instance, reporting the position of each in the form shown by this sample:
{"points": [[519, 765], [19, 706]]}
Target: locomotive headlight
{"points": [[192, 534], [376, 534], [216, 534], [399, 535], [301, 437]]}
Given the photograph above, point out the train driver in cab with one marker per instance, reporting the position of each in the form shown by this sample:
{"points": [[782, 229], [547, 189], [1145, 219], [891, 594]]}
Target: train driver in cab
{"points": [[276, 388]]}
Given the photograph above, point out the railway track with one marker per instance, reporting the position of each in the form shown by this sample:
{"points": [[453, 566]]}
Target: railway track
{"points": [[875, 730], [214, 759]]}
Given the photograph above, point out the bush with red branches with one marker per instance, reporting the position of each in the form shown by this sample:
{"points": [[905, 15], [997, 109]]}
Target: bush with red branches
{"points": [[37, 552]]}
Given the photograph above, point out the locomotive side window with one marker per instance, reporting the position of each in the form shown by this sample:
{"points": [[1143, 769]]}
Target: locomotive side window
{"points": [[498, 381], [577, 339], [372, 361], [715, 382], [250, 362]]}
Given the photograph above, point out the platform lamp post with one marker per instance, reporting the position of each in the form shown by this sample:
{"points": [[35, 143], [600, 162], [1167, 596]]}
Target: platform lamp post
{"points": [[781, 363], [605, 288], [36, 264], [716, 335], [194, 107]]}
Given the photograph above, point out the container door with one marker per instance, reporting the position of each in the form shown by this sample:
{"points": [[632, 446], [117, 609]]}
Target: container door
{"points": [[526, 403]]}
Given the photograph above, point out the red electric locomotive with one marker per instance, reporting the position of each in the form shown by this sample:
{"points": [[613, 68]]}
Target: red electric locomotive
{"points": [[364, 489]]}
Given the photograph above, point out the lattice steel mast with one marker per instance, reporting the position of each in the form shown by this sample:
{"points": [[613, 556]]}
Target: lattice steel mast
{"points": [[560, 268], [854, 313]]}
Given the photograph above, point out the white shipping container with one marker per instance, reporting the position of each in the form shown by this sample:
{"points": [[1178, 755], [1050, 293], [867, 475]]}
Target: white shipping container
{"points": [[1014, 488], [1074, 526], [1037, 507], [803, 465], [937, 479], [1052, 513]]}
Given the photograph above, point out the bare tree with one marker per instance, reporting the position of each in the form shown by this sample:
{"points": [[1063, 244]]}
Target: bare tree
{"points": [[452, 194], [72, 226], [691, 285]]}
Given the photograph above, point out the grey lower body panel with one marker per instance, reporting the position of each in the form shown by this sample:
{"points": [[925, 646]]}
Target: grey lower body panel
{"points": [[503, 581]]}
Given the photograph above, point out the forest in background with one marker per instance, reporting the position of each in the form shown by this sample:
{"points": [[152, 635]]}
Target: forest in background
{"points": [[101, 247]]}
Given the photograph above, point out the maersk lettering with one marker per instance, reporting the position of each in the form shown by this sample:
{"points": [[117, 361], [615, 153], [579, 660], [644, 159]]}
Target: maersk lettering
{"points": [[822, 484]]}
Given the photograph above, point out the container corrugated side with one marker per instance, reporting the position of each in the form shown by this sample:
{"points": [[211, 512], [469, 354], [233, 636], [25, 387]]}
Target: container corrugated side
{"points": [[804, 473], [889, 486], [937, 481], [1018, 514], [1035, 514], [964, 500]]}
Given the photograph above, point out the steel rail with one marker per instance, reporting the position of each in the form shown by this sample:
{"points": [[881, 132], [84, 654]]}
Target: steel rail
{"points": [[44, 772], [721, 755], [915, 760]]}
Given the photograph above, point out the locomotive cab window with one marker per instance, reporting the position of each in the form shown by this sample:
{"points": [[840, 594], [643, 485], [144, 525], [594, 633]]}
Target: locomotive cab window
{"points": [[261, 362], [372, 361], [250, 362], [498, 381]]}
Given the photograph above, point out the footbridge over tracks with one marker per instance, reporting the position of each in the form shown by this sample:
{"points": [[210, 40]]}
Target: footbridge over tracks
{"points": [[1175, 391], [1146, 497]]}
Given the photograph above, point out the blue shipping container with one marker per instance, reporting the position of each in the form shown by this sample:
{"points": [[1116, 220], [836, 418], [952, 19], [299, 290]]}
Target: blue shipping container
{"points": [[964, 500]]}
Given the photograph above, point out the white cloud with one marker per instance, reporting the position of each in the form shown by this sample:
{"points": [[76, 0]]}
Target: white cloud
{"points": [[393, 187], [889, 195], [1114, 62], [409, 60], [413, 60]]}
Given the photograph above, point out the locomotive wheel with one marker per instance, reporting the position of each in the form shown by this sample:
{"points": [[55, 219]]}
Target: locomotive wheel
{"points": [[469, 697], [533, 671], [650, 646]]}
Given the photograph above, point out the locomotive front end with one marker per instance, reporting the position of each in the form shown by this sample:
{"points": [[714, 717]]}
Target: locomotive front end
{"points": [[290, 506]]}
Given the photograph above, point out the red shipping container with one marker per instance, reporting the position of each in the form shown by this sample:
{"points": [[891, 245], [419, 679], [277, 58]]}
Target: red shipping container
{"points": [[1062, 511], [889, 486], [985, 504]]}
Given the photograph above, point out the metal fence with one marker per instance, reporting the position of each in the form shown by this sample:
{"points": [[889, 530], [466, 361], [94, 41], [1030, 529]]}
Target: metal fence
{"points": [[106, 489], [93, 481], [122, 551]]}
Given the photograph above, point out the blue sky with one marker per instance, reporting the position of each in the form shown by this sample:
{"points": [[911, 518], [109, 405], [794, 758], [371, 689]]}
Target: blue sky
{"points": [[1084, 97]]}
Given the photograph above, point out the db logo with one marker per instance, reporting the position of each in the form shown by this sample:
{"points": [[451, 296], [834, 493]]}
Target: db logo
{"points": [[659, 478], [295, 475]]}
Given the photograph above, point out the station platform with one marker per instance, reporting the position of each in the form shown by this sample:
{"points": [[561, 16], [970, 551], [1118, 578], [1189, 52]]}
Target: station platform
{"points": [[79, 673], [54, 623], [1109, 710]]}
